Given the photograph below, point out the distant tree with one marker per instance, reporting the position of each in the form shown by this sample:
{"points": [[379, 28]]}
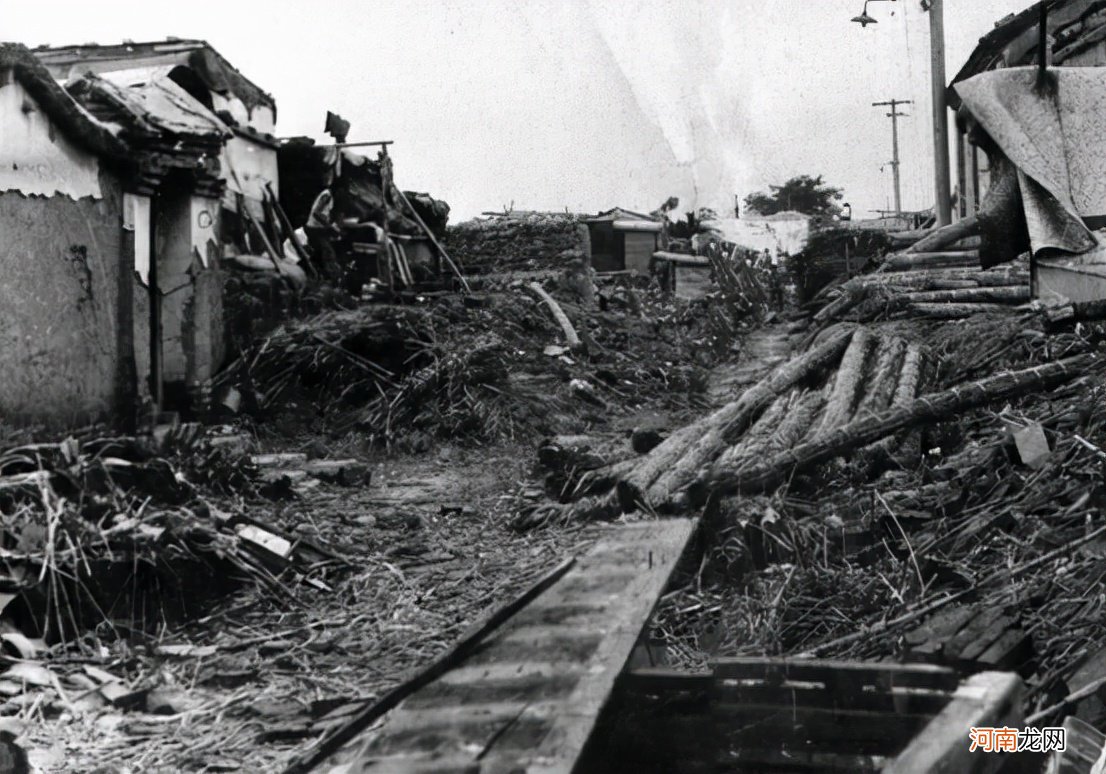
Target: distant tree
{"points": [[685, 228], [805, 194]]}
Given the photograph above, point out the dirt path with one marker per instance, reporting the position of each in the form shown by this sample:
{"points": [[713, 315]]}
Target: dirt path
{"points": [[763, 350]]}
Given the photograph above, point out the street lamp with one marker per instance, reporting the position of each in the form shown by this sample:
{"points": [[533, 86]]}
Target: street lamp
{"points": [[864, 19], [942, 178]]}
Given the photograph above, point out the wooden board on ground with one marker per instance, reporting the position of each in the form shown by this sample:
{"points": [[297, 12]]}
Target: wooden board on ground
{"points": [[769, 714], [986, 700], [529, 697]]}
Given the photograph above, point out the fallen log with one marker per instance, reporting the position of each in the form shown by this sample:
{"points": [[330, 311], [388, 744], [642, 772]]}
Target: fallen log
{"points": [[947, 278], [1086, 311], [1002, 294], [676, 461], [888, 363], [635, 479], [761, 431], [847, 383], [942, 237], [955, 311], [796, 426], [909, 261], [915, 377], [908, 238], [571, 337], [849, 297], [863, 431]]}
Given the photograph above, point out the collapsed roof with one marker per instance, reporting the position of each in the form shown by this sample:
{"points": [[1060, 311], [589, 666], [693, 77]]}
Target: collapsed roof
{"points": [[217, 73], [170, 127]]}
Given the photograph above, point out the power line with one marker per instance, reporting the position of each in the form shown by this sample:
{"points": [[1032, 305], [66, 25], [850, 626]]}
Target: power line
{"points": [[895, 115]]}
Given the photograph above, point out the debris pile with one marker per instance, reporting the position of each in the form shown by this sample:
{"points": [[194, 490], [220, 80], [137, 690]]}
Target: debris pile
{"points": [[910, 485], [833, 252], [518, 241], [128, 531], [478, 368]]}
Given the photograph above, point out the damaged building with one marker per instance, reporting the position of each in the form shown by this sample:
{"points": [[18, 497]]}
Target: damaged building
{"points": [[205, 132], [66, 339], [158, 154], [1030, 163]]}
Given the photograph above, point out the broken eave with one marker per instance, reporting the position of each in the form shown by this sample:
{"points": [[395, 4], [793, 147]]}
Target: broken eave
{"points": [[1073, 25], [78, 124], [211, 67]]}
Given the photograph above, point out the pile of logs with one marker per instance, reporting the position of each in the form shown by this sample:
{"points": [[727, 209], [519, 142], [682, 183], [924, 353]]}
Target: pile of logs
{"points": [[856, 393], [942, 294]]}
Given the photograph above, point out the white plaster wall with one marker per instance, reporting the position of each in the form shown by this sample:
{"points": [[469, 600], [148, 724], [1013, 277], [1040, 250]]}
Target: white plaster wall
{"points": [[35, 159], [260, 118], [204, 214], [247, 166]]}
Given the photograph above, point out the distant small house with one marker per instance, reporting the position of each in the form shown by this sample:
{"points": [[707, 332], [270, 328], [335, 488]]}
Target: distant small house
{"points": [[622, 240], [66, 338]]}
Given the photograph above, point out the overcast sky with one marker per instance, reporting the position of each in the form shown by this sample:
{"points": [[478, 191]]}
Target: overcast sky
{"points": [[584, 104]]}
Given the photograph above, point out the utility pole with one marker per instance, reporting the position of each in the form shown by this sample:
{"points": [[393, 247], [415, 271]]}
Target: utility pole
{"points": [[942, 181], [894, 115]]}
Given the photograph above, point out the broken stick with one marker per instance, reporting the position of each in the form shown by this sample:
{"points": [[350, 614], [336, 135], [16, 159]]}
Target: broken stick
{"points": [[559, 315]]}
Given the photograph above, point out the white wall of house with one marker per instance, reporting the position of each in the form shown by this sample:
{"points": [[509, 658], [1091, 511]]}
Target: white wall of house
{"points": [[261, 118], [35, 159], [247, 166]]}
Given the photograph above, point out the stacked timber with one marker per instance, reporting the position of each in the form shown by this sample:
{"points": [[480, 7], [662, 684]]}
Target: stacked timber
{"points": [[855, 393], [943, 294]]}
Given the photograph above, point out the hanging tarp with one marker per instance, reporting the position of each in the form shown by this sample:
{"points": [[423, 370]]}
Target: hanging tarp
{"points": [[1054, 135]]}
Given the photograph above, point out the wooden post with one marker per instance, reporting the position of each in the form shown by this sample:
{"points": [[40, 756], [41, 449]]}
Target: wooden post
{"points": [[156, 389], [942, 183]]}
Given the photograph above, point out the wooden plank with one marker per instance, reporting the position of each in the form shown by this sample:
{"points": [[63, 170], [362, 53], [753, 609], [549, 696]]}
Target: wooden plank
{"points": [[558, 752], [665, 680], [528, 697], [820, 670], [471, 639], [506, 670], [797, 760], [986, 699], [806, 731], [793, 695]]}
